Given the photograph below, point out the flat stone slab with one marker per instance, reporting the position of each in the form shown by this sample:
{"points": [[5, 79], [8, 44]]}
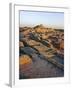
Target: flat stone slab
{"points": [[28, 50], [41, 48], [33, 43], [47, 54]]}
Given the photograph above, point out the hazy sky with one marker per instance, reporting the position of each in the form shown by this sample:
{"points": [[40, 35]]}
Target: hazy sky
{"points": [[51, 19]]}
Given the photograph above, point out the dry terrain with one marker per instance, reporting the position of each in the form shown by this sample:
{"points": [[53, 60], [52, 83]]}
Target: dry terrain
{"points": [[41, 52]]}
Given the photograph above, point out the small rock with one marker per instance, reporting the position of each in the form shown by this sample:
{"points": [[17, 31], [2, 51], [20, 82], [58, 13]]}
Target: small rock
{"points": [[24, 59], [21, 44]]}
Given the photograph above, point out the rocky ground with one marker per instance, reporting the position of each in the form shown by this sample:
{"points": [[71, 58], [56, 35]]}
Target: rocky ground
{"points": [[41, 52]]}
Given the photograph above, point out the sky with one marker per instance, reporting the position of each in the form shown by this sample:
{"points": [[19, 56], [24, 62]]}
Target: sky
{"points": [[50, 19]]}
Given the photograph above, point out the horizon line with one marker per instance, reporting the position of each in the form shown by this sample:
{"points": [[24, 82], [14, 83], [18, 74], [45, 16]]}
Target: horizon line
{"points": [[48, 26]]}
